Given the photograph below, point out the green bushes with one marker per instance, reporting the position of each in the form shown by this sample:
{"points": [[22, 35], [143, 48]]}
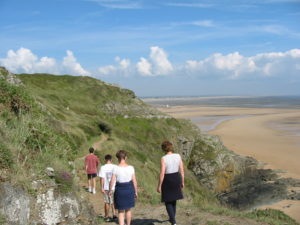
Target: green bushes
{"points": [[64, 180], [105, 128], [15, 98], [6, 158]]}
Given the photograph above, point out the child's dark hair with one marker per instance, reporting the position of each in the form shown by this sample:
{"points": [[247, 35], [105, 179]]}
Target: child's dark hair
{"points": [[108, 157], [121, 154], [91, 150]]}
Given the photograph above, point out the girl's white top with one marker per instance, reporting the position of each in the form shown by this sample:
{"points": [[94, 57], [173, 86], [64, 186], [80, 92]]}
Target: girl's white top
{"points": [[123, 174], [172, 162]]}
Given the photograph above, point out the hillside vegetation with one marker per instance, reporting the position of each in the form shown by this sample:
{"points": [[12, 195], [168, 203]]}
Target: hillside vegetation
{"points": [[49, 121]]}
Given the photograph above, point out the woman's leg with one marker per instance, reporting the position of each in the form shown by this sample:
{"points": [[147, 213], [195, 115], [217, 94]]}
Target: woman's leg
{"points": [[121, 214], [171, 211], [128, 216]]}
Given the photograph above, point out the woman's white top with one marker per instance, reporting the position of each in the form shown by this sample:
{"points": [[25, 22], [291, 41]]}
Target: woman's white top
{"points": [[172, 162], [123, 174]]}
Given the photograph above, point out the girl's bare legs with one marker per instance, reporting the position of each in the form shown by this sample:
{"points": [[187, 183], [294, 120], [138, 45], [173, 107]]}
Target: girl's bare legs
{"points": [[121, 214], [128, 216]]}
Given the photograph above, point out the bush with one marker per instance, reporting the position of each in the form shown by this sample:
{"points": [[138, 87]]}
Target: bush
{"points": [[105, 128], [64, 180], [15, 98], [6, 159]]}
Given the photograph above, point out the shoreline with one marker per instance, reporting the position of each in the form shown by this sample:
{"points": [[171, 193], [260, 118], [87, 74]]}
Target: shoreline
{"points": [[251, 132]]}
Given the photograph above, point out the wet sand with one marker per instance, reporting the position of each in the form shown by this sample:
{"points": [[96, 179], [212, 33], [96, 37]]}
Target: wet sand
{"points": [[255, 132]]}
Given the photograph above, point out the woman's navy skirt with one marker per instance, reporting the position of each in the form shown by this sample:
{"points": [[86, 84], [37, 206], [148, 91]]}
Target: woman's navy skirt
{"points": [[171, 187], [124, 195]]}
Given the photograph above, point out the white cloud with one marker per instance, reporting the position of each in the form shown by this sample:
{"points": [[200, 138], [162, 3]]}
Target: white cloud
{"points": [[118, 4], [204, 23], [236, 66], [193, 5], [71, 65], [144, 67], [122, 67], [24, 61], [160, 63]]}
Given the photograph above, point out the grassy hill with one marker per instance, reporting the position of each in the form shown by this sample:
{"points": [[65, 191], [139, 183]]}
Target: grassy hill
{"points": [[50, 121]]}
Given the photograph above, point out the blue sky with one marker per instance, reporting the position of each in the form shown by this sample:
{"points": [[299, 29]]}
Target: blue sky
{"points": [[159, 48]]}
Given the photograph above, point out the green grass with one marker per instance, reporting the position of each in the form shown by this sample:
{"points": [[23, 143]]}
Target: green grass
{"points": [[68, 114], [270, 216]]}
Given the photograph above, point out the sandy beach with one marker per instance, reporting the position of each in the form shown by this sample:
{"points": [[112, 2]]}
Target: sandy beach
{"points": [[266, 134]]}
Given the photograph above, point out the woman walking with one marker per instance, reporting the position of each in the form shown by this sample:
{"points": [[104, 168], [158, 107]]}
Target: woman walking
{"points": [[126, 188], [171, 179]]}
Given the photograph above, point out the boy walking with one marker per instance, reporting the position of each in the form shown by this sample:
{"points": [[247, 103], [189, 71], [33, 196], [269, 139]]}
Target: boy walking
{"points": [[91, 165], [105, 175]]}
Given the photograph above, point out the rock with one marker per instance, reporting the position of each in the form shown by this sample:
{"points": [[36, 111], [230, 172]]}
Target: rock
{"points": [[14, 204], [214, 165], [9, 77], [50, 172], [47, 206]]}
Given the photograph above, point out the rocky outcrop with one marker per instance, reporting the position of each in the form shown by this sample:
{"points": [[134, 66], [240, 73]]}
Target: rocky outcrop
{"points": [[215, 166], [9, 77], [134, 108], [47, 206]]}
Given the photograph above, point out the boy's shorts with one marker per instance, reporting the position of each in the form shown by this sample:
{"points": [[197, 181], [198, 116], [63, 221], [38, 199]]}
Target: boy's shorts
{"points": [[108, 199], [90, 176]]}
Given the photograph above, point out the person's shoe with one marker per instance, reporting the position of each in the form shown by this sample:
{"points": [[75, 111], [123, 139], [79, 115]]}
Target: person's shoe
{"points": [[115, 218], [94, 191], [90, 189], [107, 219]]}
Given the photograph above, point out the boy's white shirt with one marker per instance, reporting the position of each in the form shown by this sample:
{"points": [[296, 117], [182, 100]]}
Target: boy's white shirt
{"points": [[106, 172]]}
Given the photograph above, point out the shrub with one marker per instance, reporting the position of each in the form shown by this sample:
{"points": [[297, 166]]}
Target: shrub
{"points": [[15, 98], [6, 159], [64, 180], [105, 128]]}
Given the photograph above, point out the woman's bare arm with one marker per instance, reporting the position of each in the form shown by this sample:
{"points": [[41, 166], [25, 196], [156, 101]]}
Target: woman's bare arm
{"points": [[161, 175], [111, 183], [135, 185], [181, 169]]}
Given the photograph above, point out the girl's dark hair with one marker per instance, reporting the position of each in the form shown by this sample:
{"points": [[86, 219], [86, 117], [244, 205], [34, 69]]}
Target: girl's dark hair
{"points": [[167, 146], [121, 154]]}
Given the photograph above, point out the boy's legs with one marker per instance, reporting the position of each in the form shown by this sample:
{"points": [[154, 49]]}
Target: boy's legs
{"points": [[94, 185], [89, 182]]}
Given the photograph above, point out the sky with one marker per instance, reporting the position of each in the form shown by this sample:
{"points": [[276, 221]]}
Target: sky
{"points": [[158, 47]]}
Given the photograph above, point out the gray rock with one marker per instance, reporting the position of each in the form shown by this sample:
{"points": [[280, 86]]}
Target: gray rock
{"points": [[9, 77], [50, 172], [14, 204]]}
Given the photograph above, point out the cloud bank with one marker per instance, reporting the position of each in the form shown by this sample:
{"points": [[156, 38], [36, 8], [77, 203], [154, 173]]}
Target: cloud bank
{"points": [[216, 66], [24, 61]]}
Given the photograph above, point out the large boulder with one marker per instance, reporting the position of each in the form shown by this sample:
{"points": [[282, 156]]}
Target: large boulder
{"points": [[9, 77], [47, 206]]}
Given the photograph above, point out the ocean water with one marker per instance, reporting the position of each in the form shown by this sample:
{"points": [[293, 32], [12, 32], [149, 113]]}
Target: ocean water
{"points": [[290, 102], [208, 123]]}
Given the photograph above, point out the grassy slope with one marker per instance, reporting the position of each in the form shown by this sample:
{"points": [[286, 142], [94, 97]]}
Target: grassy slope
{"points": [[77, 107], [72, 110]]}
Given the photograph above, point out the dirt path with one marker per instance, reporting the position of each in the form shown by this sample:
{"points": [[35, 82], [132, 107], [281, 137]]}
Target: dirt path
{"points": [[155, 215]]}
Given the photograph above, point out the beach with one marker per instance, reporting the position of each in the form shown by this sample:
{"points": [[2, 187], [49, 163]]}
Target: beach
{"points": [[270, 135]]}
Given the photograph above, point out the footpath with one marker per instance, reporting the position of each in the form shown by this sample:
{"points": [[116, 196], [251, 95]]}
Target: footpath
{"points": [[146, 214]]}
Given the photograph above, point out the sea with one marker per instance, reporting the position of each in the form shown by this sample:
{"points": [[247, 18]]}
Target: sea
{"points": [[209, 122], [288, 102]]}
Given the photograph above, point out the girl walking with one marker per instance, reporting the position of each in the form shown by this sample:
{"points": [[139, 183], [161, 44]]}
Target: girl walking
{"points": [[171, 180], [126, 188]]}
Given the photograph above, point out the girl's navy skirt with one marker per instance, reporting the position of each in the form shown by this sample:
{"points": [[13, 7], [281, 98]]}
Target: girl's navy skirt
{"points": [[124, 195]]}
